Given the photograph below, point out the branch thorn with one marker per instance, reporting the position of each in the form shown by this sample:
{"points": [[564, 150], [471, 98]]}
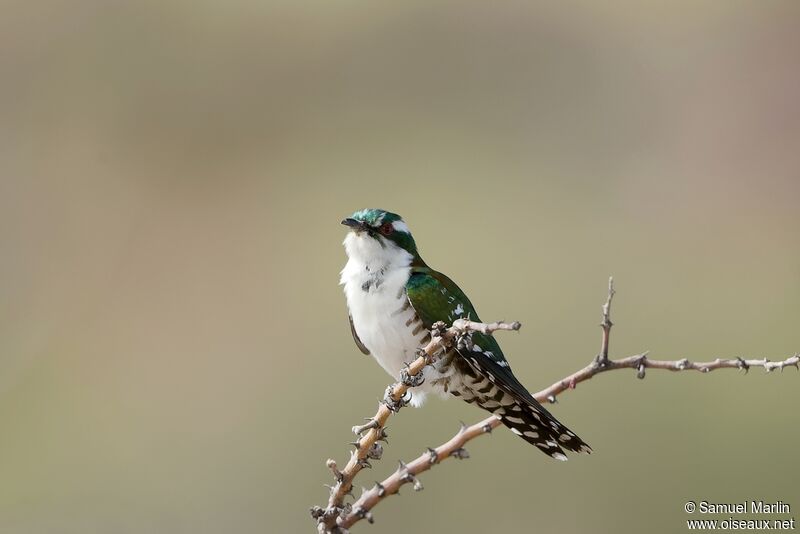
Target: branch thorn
{"points": [[461, 453], [364, 464], [375, 451], [383, 435], [363, 513]]}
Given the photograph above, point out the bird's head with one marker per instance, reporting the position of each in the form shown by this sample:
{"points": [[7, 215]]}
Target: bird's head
{"points": [[376, 234]]}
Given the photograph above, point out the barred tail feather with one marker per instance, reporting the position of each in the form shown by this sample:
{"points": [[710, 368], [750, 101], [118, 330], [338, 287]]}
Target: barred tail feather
{"points": [[540, 429], [526, 418]]}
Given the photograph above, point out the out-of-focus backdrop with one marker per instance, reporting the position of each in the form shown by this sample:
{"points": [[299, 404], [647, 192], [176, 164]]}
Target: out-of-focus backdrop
{"points": [[174, 348]]}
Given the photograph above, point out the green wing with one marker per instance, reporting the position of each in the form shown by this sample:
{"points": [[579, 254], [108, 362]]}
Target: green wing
{"points": [[437, 298]]}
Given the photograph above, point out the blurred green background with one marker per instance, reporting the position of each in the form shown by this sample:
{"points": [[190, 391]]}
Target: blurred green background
{"points": [[174, 349]]}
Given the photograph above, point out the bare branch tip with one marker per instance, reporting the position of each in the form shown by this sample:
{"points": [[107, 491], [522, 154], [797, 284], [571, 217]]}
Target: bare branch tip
{"points": [[338, 475]]}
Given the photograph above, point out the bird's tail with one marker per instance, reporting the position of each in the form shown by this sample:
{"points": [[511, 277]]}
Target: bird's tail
{"points": [[492, 387], [538, 427]]}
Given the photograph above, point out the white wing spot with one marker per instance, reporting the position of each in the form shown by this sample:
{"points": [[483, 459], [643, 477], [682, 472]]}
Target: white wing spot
{"points": [[531, 434], [559, 456], [459, 310], [517, 432]]}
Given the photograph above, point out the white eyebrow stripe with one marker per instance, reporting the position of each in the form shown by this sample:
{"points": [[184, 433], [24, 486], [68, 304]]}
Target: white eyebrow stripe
{"points": [[400, 226]]}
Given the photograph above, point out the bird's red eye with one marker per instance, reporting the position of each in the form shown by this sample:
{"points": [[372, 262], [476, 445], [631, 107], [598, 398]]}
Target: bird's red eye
{"points": [[387, 228]]}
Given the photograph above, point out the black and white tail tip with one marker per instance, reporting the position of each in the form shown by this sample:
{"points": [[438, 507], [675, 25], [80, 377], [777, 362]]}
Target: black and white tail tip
{"points": [[541, 429]]}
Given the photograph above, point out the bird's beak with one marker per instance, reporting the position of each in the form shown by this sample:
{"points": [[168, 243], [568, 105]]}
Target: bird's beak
{"points": [[355, 224]]}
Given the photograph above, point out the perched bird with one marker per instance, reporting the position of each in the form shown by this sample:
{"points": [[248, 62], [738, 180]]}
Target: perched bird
{"points": [[394, 298]]}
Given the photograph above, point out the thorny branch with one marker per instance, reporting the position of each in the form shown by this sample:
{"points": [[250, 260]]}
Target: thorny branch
{"points": [[338, 517], [606, 325], [367, 445]]}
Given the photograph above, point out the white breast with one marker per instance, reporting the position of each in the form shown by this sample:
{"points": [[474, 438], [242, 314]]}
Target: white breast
{"points": [[374, 283]]}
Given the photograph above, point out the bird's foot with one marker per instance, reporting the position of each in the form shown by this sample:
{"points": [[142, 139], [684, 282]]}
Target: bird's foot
{"points": [[464, 342], [391, 403], [409, 380]]}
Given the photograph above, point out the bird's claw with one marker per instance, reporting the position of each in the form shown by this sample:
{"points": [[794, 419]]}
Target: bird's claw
{"points": [[464, 342], [438, 327], [390, 402], [409, 380]]}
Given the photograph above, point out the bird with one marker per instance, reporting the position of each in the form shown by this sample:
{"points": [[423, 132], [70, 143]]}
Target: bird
{"points": [[393, 301]]}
